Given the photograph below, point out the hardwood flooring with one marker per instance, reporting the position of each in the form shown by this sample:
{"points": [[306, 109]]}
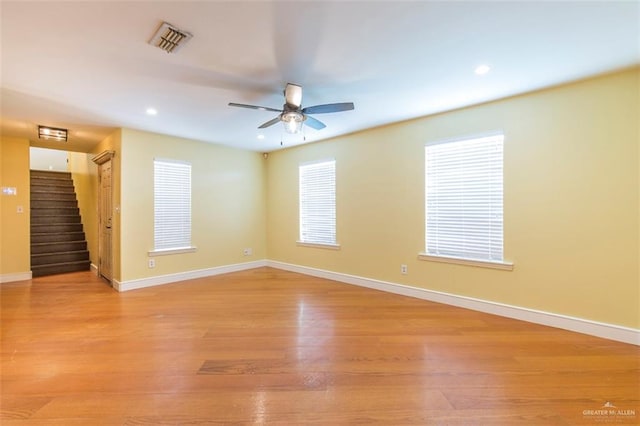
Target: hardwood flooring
{"points": [[272, 347]]}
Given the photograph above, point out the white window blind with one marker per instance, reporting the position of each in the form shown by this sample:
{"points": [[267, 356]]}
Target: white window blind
{"points": [[318, 202], [172, 205], [464, 206]]}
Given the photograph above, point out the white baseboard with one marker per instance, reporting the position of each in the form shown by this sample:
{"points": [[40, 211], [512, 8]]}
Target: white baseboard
{"points": [[580, 325], [16, 276], [182, 276], [93, 268], [593, 328]]}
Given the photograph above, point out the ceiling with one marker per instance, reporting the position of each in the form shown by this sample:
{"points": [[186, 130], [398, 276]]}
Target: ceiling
{"points": [[87, 66]]}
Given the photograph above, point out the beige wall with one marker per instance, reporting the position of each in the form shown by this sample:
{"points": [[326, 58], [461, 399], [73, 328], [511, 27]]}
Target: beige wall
{"points": [[637, 138], [14, 227], [85, 180], [48, 159], [571, 201], [228, 204]]}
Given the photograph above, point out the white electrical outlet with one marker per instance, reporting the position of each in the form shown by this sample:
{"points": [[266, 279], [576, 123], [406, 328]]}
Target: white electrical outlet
{"points": [[152, 263], [403, 269], [247, 252]]}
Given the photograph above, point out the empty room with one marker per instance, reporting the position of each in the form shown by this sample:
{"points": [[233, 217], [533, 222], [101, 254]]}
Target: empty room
{"points": [[320, 212]]}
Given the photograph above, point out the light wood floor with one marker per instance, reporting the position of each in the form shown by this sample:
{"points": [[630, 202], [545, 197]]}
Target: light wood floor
{"points": [[268, 346]]}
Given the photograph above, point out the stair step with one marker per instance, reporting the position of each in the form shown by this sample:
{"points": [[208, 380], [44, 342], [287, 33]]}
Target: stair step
{"points": [[52, 177], [55, 219], [63, 184], [50, 182], [37, 194], [53, 182], [60, 268], [54, 237], [54, 211], [50, 174], [57, 247], [67, 256], [62, 211], [38, 186], [55, 228], [50, 203], [57, 238]]}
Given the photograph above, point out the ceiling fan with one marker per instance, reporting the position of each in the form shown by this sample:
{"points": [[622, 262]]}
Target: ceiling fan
{"points": [[292, 115]]}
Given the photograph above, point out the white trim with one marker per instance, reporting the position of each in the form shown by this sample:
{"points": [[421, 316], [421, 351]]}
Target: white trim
{"points": [[311, 162], [182, 276], [319, 245], [93, 268], [503, 266], [480, 135], [579, 325], [166, 252], [103, 157], [171, 160], [16, 276]]}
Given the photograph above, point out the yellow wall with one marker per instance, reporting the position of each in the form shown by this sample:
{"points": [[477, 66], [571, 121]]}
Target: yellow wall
{"points": [[14, 227], [85, 180], [571, 201], [637, 137], [228, 204]]}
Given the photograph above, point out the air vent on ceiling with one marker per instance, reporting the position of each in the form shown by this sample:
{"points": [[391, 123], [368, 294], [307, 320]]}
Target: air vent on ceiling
{"points": [[169, 38]]}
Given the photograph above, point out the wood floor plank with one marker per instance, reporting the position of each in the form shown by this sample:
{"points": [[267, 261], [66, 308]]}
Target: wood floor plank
{"points": [[272, 347]]}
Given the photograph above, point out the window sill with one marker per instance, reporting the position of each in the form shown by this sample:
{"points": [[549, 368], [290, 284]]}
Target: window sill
{"points": [[166, 252], [319, 245], [504, 266]]}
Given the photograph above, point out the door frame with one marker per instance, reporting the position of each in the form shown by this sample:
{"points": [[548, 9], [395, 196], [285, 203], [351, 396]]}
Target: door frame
{"points": [[101, 159]]}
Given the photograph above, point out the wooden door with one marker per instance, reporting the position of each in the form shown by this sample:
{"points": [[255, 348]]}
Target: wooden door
{"points": [[105, 214], [106, 222]]}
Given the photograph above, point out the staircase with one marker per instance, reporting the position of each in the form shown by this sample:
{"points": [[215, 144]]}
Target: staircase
{"points": [[58, 243]]}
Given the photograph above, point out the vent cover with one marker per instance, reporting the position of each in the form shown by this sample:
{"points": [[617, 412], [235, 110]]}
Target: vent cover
{"points": [[169, 38]]}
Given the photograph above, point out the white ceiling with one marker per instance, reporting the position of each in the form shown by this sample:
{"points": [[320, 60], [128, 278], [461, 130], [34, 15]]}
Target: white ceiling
{"points": [[87, 66]]}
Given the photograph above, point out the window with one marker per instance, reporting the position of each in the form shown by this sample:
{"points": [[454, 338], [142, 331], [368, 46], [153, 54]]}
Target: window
{"points": [[318, 203], [464, 214], [172, 205]]}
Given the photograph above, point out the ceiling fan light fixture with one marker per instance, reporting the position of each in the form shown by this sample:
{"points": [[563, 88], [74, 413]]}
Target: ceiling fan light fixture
{"points": [[293, 116], [292, 121], [52, 133]]}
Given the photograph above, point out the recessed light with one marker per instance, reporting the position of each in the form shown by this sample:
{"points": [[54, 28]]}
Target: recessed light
{"points": [[482, 69], [260, 136], [152, 111]]}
